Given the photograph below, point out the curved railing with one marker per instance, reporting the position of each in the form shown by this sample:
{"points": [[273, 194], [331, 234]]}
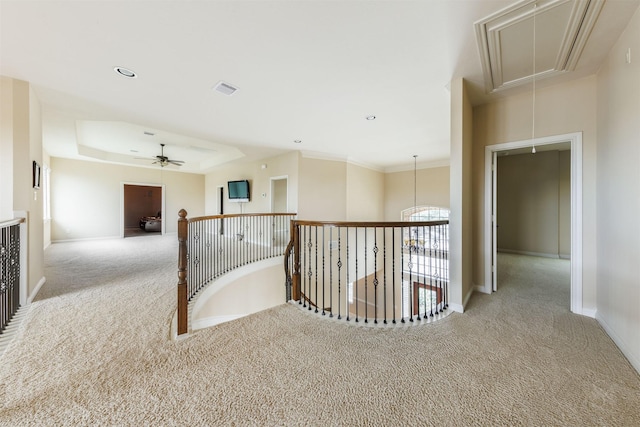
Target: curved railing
{"points": [[10, 270], [384, 272], [211, 246]]}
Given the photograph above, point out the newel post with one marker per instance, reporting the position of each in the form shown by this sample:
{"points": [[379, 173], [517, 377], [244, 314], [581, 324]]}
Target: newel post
{"points": [[183, 231], [295, 233]]}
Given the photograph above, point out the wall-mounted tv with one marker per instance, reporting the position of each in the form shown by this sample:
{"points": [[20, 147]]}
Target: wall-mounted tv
{"points": [[239, 191]]}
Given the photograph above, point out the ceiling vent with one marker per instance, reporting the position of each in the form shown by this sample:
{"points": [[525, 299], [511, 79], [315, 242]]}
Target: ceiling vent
{"points": [[225, 88], [505, 40]]}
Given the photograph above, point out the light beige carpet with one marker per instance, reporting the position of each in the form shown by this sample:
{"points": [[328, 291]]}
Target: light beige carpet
{"points": [[94, 350]]}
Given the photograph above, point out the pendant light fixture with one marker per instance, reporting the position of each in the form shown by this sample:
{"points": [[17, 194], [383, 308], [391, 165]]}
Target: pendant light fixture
{"points": [[533, 97], [415, 184]]}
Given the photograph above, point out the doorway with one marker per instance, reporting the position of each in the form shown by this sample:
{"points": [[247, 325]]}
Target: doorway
{"points": [[142, 210], [280, 204], [574, 141], [279, 195]]}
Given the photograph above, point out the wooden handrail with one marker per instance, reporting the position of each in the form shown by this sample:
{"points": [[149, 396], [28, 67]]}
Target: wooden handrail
{"points": [[244, 215], [372, 224]]}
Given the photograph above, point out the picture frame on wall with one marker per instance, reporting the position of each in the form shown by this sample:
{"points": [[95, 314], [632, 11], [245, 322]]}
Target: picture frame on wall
{"points": [[36, 175]]}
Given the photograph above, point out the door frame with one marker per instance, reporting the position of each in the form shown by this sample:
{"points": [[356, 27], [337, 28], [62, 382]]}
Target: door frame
{"points": [[490, 189], [142, 184]]}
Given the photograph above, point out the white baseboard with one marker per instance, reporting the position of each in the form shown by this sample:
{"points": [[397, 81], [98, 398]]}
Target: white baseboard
{"points": [[36, 290], [482, 289], [590, 312], [635, 362], [459, 308], [214, 320], [86, 239], [538, 254]]}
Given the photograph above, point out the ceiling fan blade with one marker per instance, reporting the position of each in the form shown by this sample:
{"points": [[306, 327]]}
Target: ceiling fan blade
{"points": [[176, 162]]}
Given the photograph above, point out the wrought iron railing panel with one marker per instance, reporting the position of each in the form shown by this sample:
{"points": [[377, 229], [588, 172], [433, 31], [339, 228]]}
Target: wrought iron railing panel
{"points": [[370, 272], [9, 271], [214, 245]]}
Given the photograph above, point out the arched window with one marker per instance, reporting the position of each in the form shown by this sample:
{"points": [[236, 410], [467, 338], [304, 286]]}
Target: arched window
{"points": [[425, 213]]}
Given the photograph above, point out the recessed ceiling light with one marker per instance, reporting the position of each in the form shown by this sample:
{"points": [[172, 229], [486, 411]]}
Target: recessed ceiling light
{"points": [[370, 117], [297, 141], [125, 72], [149, 133], [134, 151]]}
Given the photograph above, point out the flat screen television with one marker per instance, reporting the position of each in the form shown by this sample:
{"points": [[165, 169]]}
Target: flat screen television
{"points": [[239, 191]]}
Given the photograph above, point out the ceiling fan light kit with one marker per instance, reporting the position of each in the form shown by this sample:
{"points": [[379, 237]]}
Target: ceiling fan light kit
{"points": [[163, 160]]}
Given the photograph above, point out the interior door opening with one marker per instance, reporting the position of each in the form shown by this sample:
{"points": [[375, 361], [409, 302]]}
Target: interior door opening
{"points": [[142, 210], [492, 213]]}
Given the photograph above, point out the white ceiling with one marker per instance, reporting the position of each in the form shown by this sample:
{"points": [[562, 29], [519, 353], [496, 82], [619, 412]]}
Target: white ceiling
{"points": [[306, 70]]}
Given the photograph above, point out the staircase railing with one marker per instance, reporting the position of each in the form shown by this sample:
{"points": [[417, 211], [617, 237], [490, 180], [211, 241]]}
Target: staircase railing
{"points": [[211, 246], [384, 272], [10, 257]]}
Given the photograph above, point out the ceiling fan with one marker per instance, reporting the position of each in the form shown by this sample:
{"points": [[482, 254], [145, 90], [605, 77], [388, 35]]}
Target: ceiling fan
{"points": [[163, 160]]}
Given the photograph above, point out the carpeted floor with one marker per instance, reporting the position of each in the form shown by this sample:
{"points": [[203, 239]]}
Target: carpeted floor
{"points": [[94, 349]]}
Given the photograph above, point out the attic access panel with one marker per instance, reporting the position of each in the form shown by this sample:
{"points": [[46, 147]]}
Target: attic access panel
{"points": [[505, 40]]}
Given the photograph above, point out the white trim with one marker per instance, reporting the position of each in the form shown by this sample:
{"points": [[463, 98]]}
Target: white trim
{"points": [[576, 207], [480, 288], [590, 312], [214, 320], [85, 239], [460, 308], [618, 341], [528, 253], [422, 165], [41, 282]]}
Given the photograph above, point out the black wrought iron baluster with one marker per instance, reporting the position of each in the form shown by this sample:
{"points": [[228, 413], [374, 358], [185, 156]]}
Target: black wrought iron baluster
{"points": [[375, 275], [309, 273], [331, 272], [384, 277], [393, 272], [339, 274], [366, 290], [316, 268], [323, 277], [402, 285], [349, 285]]}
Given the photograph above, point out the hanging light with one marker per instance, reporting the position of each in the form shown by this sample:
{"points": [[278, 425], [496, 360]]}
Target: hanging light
{"points": [[533, 97], [415, 184]]}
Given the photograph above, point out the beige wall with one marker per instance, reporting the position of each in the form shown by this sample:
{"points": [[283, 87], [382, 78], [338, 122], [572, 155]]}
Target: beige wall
{"points": [[533, 201], [260, 184], [618, 193], [461, 226], [86, 197], [432, 190], [564, 207], [560, 109], [365, 194], [323, 190], [21, 123], [6, 148]]}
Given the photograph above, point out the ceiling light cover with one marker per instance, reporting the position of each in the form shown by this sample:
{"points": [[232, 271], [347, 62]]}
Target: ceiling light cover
{"points": [[371, 117]]}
